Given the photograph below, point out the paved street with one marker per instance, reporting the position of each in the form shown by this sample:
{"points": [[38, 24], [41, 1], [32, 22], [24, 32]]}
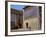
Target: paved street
{"points": [[19, 30]]}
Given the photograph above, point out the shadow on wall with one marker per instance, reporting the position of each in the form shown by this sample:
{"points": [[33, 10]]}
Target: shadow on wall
{"points": [[16, 19]]}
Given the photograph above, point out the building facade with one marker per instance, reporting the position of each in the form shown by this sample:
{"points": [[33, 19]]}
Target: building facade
{"points": [[31, 18]]}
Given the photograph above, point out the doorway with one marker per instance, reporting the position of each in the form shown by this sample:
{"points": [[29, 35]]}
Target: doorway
{"points": [[27, 25]]}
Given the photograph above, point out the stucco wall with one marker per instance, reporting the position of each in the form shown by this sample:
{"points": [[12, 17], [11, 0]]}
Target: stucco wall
{"points": [[33, 23]]}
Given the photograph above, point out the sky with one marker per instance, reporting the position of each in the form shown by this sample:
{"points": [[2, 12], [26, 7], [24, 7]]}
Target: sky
{"points": [[18, 7]]}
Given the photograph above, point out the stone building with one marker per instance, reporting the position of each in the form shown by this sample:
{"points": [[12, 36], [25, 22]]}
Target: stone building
{"points": [[31, 18], [16, 19]]}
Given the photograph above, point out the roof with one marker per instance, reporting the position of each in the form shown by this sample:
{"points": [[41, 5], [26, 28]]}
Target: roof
{"points": [[17, 12], [26, 7]]}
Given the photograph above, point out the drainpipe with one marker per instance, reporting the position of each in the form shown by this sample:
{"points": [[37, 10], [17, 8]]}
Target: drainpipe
{"points": [[24, 26], [23, 18]]}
